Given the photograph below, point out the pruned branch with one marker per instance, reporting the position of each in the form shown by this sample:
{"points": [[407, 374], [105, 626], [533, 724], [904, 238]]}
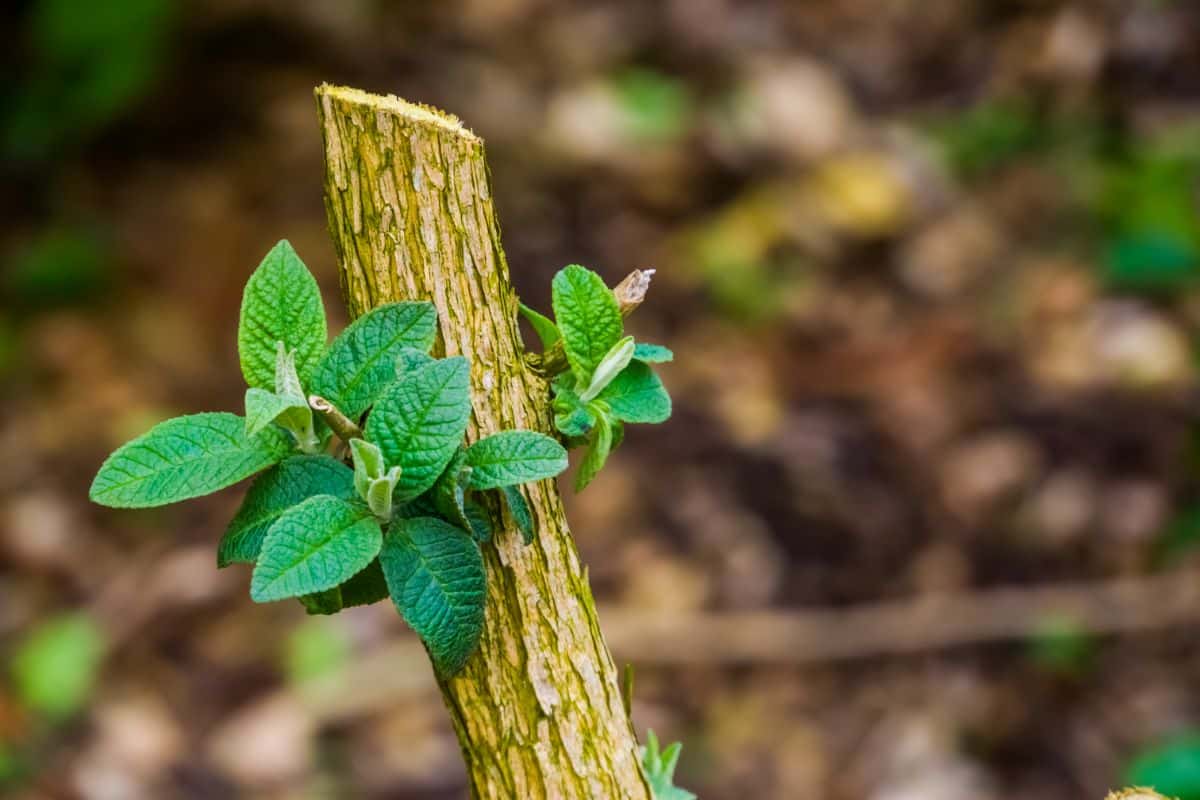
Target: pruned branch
{"points": [[342, 426]]}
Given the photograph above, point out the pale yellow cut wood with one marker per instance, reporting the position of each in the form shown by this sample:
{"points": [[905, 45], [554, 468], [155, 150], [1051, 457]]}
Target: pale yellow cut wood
{"points": [[537, 710]]}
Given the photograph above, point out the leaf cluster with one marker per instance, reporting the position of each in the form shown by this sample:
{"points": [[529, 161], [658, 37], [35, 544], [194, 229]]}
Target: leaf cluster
{"points": [[610, 381], [399, 516]]}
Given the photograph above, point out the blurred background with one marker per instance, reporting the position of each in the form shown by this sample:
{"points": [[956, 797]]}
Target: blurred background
{"points": [[923, 526]]}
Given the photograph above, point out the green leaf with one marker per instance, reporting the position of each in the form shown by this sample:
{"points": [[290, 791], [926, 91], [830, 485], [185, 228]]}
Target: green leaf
{"points": [[275, 491], [281, 303], [1171, 768], [511, 457], [368, 465], [588, 317], [571, 416], [637, 395], [652, 353], [361, 362], [599, 446], [435, 575], [609, 367], [365, 588], [410, 359], [481, 521], [449, 493], [54, 667], [183, 458], [263, 408], [313, 547], [543, 326], [519, 510], [419, 422], [659, 767], [323, 603]]}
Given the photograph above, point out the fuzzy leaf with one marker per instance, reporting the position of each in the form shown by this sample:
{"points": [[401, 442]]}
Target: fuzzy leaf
{"points": [[419, 422], [368, 465], [435, 576], [313, 547], [183, 458], [511, 457], [361, 362], [652, 353], [281, 303], [637, 395], [542, 325], [519, 510], [293, 481], [263, 408], [588, 318], [599, 446]]}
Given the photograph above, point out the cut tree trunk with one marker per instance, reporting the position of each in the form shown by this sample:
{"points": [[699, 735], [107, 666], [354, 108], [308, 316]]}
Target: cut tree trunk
{"points": [[538, 710]]}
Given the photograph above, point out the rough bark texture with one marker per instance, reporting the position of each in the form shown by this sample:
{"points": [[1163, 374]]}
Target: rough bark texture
{"points": [[538, 710]]}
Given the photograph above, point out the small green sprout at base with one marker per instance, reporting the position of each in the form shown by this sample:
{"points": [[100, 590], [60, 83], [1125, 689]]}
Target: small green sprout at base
{"points": [[609, 381], [659, 768], [401, 520]]}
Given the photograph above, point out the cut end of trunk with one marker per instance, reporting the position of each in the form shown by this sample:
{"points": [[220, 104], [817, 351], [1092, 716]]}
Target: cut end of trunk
{"points": [[414, 113]]}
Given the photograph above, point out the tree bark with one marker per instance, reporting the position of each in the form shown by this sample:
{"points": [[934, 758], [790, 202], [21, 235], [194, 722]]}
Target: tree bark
{"points": [[537, 709]]}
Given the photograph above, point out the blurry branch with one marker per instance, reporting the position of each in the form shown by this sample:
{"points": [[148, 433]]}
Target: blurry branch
{"points": [[807, 637], [341, 425], [630, 293]]}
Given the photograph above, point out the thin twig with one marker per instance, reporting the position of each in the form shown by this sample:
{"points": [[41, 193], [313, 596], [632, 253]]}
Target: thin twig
{"points": [[341, 425], [630, 293]]}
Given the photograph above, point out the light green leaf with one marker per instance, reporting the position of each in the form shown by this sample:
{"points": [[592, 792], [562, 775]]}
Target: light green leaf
{"points": [[263, 408], [313, 547], [609, 367], [275, 491], [543, 326], [361, 362], [599, 446], [519, 510], [511, 457], [368, 465], [183, 458], [435, 576], [54, 667], [652, 353], [588, 318], [637, 395], [659, 768], [419, 422], [281, 303]]}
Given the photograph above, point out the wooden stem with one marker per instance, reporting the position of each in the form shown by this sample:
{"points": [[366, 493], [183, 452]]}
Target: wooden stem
{"points": [[342, 426], [538, 709]]}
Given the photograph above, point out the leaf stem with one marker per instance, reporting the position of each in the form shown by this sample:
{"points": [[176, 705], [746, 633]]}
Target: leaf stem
{"points": [[342, 426], [630, 293]]}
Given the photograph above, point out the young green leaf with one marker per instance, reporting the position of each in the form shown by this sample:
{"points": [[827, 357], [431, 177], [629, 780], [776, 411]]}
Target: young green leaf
{"points": [[511, 457], [183, 458], [543, 326], [361, 362], [419, 422], [379, 494], [368, 586], [313, 547], [637, 395], [599, 446], [659, 767], [480, 521], [263, 408], [519, 510], [588, 318], [368, 465], [435, 576], [609, 367], [281, 303], [652, 353], [275, 491]]}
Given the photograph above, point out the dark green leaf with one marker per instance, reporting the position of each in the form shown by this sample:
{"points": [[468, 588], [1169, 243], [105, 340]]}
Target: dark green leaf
{"points": [[313, 547], [481, 521], [449, 493], [293, 481], [282, 303], [365, 588], [419, 422], [435, 576], [186, 457], [511, 457], [361, 362], [326, 602], [519, 510]]}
